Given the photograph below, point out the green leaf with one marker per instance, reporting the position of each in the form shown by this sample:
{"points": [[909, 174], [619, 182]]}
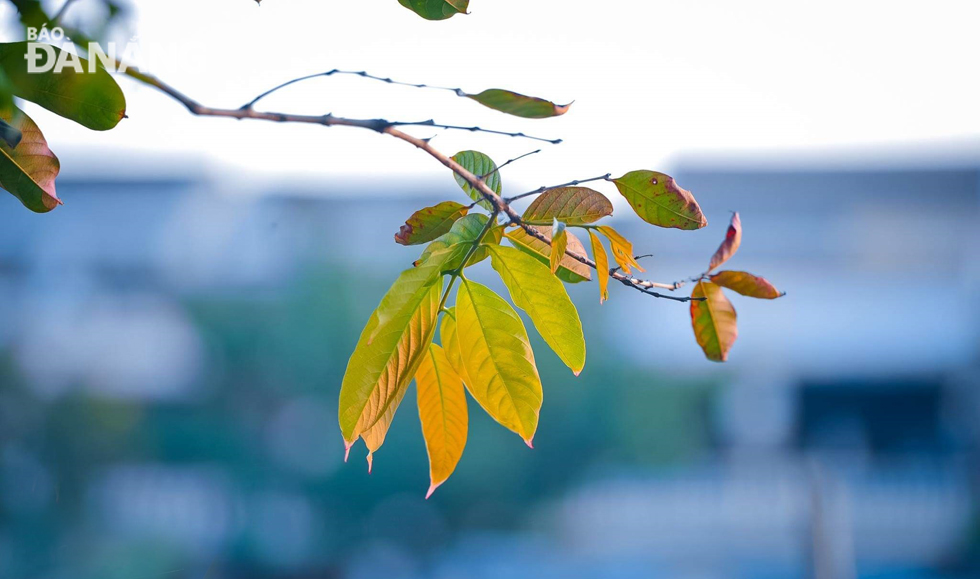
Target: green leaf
{"points": [[728, 247], [714, 321], [442, 411], [436, 9], [545, 300], [747, 284], [570, 270], [482, 166], [427, 224], [559, 242], [518, 105], [498, 359], [28, 170], [92, 99], [463, 232], [601, 265], [657, 199], [573, 205], [391, 344], [622, 249]]}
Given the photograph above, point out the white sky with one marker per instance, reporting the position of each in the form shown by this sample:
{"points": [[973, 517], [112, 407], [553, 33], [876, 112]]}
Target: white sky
{"points": [[652, 79]]}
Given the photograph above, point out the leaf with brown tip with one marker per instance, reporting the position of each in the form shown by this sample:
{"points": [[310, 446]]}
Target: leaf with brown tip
{"points": [[733, 238], [572, 205], [658, 200], [714, 321], [747, 284], [519, 105], [28, 171], [427, 224], [622, 249]]}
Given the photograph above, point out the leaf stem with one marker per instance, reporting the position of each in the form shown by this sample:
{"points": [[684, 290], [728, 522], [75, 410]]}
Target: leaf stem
{"points": [[458, 272]]}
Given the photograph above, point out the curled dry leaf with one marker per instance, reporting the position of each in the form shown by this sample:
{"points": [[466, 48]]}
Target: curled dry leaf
{"points": [[733, 238]]}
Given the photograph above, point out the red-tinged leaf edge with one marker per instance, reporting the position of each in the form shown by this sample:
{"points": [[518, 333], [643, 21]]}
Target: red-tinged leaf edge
{"points": [[733, 238], [747, 284]]}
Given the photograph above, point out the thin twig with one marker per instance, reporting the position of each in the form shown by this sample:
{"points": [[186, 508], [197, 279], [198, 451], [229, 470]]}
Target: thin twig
{"points": [[360, 73], [499, 204], [508, 162], [431, 123], [549, 187], [504, 208]]}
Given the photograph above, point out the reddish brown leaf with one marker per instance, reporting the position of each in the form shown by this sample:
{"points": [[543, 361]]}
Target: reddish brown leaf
{"points": [[733, 238], [746, 284], [427, 224], [713, 320]]}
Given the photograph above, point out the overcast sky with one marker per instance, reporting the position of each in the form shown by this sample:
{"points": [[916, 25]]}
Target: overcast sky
{"points": [[651, 79]]}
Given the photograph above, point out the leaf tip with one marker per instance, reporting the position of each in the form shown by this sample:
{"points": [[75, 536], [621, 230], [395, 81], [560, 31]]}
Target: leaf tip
{"points": [[529, 442], [432, 489], [347, 445], [370, 461]]}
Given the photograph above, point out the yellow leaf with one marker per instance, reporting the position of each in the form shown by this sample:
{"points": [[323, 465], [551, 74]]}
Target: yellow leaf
{"points": [[450, 343], [714, 321], [374, 437], [601, 266], [498, 359], [545, 300], [558, 244], [570, 271], [391, 344], [442, 411], [622, 249]]}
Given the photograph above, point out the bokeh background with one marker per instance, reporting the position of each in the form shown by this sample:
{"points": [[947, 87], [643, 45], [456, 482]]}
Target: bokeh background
{"points": [[173, 339]]}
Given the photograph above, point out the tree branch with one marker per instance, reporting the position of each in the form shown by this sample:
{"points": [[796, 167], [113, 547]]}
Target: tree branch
{"points": [[500, 205]]}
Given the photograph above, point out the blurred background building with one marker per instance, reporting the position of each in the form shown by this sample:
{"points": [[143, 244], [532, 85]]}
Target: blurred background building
{"points": [[171, 354]]}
